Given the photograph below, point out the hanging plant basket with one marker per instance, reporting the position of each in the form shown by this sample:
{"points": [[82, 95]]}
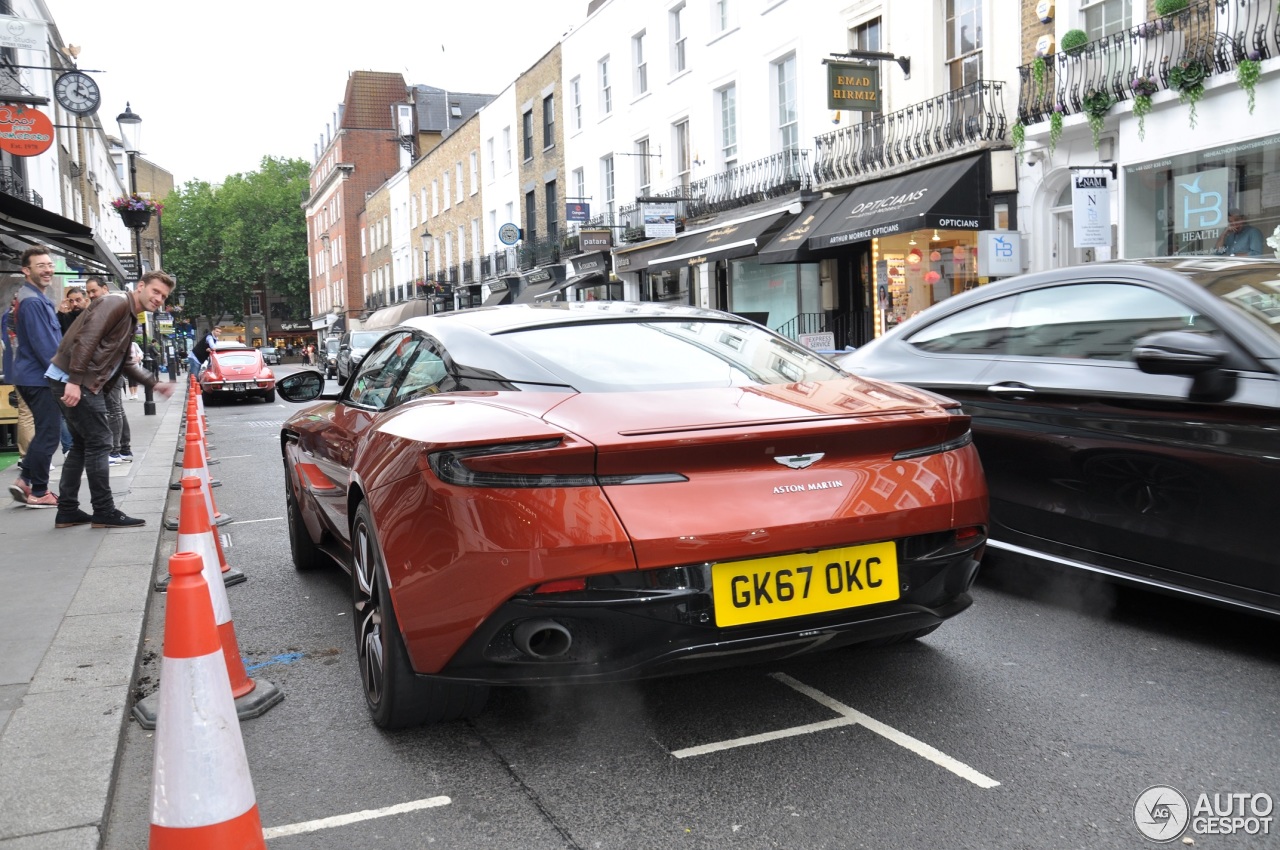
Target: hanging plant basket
{"points": [[1143, 89], [1073, 41], [1187, 79], [1096, 106], [1019, 133], [135, 219], [1038, 73]]}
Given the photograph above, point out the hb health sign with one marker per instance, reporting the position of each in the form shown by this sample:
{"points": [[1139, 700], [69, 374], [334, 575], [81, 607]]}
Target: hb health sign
{"points": [[853, 86]]}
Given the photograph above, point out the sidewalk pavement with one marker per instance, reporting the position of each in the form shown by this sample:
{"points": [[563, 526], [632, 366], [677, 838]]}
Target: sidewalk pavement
{"points": [[73, 605]]}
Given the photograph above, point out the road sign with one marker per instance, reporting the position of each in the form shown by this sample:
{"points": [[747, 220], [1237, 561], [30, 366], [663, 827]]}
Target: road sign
{"points": [[508, 234]]}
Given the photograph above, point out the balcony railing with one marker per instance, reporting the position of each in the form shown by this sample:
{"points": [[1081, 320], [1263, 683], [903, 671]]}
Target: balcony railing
{"points": [[1216, 33], [14, 184], [962, 119], [770, 177], [539, 252]]}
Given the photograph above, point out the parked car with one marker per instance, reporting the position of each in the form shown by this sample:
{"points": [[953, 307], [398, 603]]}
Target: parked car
{"points": [[351, 350], [1127, 414], [519, 498], [270, 356], [329, 351], [236, 371]]}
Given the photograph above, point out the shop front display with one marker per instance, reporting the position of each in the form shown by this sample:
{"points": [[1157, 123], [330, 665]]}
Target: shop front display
{"points": [[1218, 201]]}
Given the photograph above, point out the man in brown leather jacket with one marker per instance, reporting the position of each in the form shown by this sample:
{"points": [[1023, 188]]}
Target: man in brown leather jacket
{"points": [[94, 353]]}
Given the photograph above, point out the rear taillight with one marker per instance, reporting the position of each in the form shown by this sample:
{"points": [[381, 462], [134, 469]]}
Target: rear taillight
{"points": [[566, 585], [542, 463], [938, 448]]}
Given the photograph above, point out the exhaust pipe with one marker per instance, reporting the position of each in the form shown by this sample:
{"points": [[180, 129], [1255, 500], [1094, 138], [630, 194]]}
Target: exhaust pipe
{"points": [[542, 638]]}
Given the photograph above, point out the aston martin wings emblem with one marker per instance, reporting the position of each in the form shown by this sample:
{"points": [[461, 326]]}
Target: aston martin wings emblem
{"points": [[799, 461]]}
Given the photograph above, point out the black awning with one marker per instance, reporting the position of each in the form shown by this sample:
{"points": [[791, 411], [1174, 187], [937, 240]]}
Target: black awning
{"points": [[718, 241], [533, 290], [950, 196], [590, 263], [635, 258], [791, 245], [498, 296], [585, 279], [35, 225]]}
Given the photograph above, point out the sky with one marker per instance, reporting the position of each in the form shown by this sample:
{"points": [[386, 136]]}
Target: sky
{"points": [[220, 86]]}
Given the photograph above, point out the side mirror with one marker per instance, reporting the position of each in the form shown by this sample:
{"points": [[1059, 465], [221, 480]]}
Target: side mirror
{"points": [[301, 386], [1197, 356]]}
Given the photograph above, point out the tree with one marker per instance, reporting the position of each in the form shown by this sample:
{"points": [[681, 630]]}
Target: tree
{"points": [[223, 242]]}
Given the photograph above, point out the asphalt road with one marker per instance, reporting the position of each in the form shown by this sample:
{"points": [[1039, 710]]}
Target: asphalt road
{"points": [[1033, 720]]}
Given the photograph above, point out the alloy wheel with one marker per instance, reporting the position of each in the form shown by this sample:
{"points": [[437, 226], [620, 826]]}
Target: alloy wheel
{"points": [[366, 601]]}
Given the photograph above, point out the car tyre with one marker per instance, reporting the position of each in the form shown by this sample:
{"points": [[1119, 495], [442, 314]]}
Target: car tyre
{"points": [[396, 696], [269, 396], [306, 554]]}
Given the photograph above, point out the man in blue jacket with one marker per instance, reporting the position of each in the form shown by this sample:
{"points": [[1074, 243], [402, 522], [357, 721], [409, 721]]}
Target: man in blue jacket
{"points": [[38, 336]]}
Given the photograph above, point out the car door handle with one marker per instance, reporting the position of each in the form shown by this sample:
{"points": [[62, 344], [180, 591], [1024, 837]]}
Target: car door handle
{"points": [[1011, 390]]}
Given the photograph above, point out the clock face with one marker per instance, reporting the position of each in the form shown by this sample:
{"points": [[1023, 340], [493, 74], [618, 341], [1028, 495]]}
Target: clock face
{"points": [[77, 92]]}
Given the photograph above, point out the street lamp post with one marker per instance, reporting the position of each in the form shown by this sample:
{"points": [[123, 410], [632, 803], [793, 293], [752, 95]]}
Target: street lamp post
{"points": [[130, 129]]}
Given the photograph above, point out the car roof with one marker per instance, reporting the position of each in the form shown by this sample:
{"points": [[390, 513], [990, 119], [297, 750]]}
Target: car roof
{"points": [[507, 317]]}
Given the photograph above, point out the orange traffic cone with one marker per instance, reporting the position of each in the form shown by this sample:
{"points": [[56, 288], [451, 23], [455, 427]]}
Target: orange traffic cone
{"points": [[253, 697], [201, 791], [194, 464]]}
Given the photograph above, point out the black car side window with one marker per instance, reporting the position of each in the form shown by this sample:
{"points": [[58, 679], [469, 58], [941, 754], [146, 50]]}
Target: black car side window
{"points": [[1095, 321], [423, 376]]}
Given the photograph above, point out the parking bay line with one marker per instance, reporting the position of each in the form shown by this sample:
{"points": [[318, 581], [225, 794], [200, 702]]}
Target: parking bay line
{"points": [[848, 717], [353, 817]]}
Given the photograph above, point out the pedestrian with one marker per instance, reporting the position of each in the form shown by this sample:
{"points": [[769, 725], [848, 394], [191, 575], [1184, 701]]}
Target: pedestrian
{"points": [[9, 342], [74, 301], [121, 438], [135, 357], [91, 356], [38, 336]]}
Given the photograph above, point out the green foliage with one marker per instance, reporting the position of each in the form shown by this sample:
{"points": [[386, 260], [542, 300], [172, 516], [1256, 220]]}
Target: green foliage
{"points": [[1038, 74], [1141, 109], [1247, 73], [223, 241], [1168, 7], [1096, 106], [1019, 139], [1073, 41], [1187, 79], [1055, 128]]}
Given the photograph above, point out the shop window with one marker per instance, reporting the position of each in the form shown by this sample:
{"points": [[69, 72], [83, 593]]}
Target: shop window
{"points": [[1105, 17]]}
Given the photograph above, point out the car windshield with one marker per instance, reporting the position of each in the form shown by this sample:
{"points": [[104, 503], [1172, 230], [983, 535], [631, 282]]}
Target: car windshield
{"points": [[651, 355], [331, 346], [237, 359], [365, 339]]}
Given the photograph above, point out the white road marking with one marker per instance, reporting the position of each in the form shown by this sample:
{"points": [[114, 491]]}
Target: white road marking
{"points": [[247, 521], [848, 717], [233, 457], [354, 817]]}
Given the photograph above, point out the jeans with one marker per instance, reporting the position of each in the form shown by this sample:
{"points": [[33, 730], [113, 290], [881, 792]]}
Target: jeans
{"points": [[90, 445], [120, 436], [48, 422], [65, 437]]}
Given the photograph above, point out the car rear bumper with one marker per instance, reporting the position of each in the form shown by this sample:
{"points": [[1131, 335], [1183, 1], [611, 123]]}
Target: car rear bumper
{"points": [[619, 637]]}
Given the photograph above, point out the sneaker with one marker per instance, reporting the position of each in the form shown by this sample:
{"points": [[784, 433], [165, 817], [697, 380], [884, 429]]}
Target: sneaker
{"points": [[20, 490], [125, 457], [48, 500], [114, 460], [76, 517], [116, 519]]}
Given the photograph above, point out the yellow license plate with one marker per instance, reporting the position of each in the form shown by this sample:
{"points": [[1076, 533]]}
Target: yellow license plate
{"points": [[794, 585]]}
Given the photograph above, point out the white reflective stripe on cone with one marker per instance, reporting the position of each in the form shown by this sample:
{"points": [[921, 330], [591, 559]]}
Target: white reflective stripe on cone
{"points": [[202, 473], [197, 716], [203, 545]]}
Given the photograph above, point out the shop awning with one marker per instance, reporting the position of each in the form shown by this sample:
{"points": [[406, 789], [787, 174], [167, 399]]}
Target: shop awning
{"points": [[498, 296], [632, 259], [37, 226], [725, 239], [389, 317], [950, 196], [791, 245], [533, 290]]}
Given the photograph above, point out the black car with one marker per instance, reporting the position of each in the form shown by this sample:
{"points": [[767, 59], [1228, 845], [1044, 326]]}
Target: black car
{"points": [[352, 349], [328, 357], [1127, 415]]}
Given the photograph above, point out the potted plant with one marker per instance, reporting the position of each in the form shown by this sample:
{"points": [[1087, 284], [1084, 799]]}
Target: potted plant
{"points": [[1247, 73], [1073, 41], [1143, 88], [1187, 79], [135, 210], [1096, 106], [1055, 126], [1168, 7]]}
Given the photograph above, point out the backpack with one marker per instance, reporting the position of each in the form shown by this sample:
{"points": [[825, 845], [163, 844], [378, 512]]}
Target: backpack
{"points": [[201, 349]]}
